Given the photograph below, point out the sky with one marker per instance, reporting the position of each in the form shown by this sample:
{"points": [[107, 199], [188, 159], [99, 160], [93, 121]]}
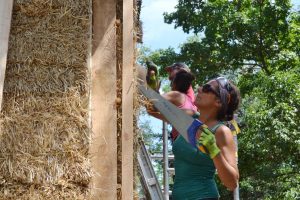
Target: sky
{"points": [[156, 33]]}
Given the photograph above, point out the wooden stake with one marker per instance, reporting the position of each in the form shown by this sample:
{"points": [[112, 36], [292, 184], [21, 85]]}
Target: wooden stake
{"points": [[127, 101], [5, 20], [103, 96]]}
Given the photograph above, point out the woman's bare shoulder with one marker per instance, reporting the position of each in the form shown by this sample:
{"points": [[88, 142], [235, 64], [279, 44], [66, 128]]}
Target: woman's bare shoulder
{"points": [[223, 135]]}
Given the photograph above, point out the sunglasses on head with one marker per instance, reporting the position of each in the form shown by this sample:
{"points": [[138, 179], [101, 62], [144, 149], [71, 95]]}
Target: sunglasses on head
{"points": [[207, 88], [178, 65], [223, 82], [224, 90]]}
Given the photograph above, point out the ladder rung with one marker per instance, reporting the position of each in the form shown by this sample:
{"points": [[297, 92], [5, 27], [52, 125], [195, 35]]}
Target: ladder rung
{"points": [[171, 171], [160, 157], [151, 181]]}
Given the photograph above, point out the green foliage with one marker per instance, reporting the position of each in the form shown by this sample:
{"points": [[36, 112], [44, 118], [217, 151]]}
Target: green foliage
{"points": [[161, 57], [270, 143], [237, 36], [152, 140], [237, 33]]}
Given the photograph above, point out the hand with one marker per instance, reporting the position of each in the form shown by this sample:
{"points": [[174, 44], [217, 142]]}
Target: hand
{"points": [[150, 108], [152, 79], [152, 76], [208, 140]]}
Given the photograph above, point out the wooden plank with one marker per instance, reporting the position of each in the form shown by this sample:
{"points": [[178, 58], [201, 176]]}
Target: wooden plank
{"points": [[5, 18], [103, 95], [127, 101]]}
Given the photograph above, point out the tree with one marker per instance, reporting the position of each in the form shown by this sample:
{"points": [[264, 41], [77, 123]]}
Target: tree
{"points": [[270, 142], [161, 57], [238, 33]]}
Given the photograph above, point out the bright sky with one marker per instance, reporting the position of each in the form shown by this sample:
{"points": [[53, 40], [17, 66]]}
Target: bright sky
{"points": [[158, 34]]}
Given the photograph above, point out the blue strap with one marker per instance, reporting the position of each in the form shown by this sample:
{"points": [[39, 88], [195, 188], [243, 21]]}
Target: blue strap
{"points": [[192, 130]]}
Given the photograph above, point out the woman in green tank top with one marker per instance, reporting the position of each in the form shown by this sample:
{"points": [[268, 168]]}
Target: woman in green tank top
{"points": [[194, 170]]}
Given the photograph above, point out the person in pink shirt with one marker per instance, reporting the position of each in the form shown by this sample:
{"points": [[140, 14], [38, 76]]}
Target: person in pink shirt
{"points": [[174, 69], [179, 96]]}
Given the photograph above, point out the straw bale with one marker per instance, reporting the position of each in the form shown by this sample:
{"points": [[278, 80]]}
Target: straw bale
{"points": [[45, 135]]}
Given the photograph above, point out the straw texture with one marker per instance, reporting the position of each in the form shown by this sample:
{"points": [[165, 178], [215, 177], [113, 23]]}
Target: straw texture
{"points": [[45, 135]]}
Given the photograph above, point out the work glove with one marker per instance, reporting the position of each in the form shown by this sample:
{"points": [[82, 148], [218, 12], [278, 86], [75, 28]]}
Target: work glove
{"points": [[152, 76], [208, 140], [152, 80]]}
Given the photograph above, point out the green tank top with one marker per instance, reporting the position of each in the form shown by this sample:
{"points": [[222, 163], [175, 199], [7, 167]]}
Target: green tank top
{"points": [[194, 172]]}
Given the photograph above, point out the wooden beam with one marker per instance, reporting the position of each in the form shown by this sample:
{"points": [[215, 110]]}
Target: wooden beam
{"points": [[103, 95], [127, 101], [5, 19]]}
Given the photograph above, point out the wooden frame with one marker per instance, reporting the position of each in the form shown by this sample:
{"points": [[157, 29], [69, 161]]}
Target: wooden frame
{"points": [[5, 20], [103, 95], [127, 100]]}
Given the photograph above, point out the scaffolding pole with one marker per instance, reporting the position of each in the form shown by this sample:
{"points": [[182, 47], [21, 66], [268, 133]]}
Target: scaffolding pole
{"points": [[165, 160]]}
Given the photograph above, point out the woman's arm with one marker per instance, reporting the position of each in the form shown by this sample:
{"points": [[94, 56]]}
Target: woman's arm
{"points": [[172, 96], [155, 113], [225, 161]]}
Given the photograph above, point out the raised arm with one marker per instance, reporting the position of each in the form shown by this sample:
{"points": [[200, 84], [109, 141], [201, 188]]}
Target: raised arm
{"points": [[170, 96], [174, 97]]}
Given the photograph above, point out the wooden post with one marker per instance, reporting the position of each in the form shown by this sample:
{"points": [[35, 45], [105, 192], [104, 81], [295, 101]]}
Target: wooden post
{"points": [[103, 96], [127, 101], [5, 18]]}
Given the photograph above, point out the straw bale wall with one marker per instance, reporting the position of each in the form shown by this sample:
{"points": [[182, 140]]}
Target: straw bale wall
{"points": [[45, 136]]}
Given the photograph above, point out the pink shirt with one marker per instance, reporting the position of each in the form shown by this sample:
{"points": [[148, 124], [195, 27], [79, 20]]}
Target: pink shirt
{"points": [[190, 93], [188, 105]]}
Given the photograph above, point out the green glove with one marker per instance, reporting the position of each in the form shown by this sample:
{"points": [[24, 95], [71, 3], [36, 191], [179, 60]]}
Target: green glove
{"points": [[152, 76], [152, 82], [208, 140]]}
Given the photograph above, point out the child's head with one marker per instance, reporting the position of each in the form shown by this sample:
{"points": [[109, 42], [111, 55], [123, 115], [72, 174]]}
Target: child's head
{"points": [[182, 81]]}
